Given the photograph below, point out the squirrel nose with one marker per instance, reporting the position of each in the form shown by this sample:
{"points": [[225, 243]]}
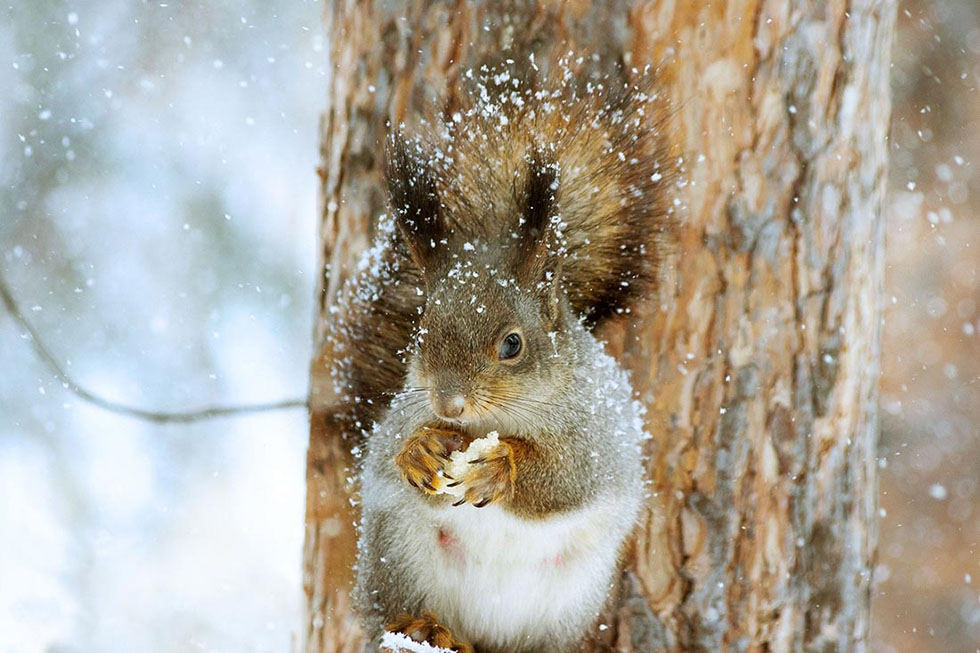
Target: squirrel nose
{"points": [[448, 406]]}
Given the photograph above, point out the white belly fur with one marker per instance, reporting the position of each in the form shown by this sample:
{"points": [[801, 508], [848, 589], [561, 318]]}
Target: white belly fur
{"points": [[503, 579]]}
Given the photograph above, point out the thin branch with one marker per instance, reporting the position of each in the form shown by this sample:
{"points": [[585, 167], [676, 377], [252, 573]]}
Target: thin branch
{"points": [[157, 416]]}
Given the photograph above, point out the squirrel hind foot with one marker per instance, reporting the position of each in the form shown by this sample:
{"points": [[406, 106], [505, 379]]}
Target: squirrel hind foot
{"points": [[427, 629]]}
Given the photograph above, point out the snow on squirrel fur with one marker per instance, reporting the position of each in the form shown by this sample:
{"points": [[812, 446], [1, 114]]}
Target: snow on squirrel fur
{"points": [[501, 484]]}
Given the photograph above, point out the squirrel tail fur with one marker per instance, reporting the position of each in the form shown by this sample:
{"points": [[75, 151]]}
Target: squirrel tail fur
{"points": [[588, 157], [591, 159]]}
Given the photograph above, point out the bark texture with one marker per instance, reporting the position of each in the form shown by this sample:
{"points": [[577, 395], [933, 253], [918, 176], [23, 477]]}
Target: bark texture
{"points": [[758, 362]]}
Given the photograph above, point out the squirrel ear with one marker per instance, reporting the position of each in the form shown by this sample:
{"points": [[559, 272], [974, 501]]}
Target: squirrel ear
{"points": [[535, 261], [414, 198]]}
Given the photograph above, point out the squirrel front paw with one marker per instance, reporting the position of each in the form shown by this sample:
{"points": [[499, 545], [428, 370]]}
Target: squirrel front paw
{"points": [[490, 477], [428, 629], [426, 453]]}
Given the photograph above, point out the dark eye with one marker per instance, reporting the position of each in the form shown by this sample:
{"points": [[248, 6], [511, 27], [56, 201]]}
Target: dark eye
{"points": [[511, 346]]}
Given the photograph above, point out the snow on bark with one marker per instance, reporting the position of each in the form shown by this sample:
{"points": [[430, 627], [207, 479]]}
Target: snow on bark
{"points": [[759, 362]]}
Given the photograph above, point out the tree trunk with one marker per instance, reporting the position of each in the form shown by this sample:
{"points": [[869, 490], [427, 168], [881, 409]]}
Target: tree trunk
{"points": [[759, 363]]}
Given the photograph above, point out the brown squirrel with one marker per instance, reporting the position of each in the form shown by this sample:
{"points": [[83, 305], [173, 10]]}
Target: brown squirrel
{"points": [[502, 481]]}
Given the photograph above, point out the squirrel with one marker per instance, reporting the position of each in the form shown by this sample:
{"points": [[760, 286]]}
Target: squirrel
{"points": [[502, 481]]}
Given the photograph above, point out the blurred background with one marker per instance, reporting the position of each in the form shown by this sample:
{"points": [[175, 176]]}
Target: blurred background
{"points": [[157, 207], [927, 594]]}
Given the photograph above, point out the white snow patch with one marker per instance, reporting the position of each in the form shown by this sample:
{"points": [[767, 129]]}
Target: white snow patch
{"points": [[397, 643]]}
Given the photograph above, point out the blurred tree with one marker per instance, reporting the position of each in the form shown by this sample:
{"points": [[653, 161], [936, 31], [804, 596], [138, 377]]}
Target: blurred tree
{"points": [[760, 364]]}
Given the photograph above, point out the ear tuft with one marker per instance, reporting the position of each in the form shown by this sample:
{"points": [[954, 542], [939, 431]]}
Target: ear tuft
{"points": [[535, 232], [414, 198]]}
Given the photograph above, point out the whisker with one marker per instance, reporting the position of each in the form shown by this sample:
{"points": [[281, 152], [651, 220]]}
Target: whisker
{"points": [[488, 409], [518, 414], [542, 402], [412, 405], [371, 396], [513, 397], [481, 410]]}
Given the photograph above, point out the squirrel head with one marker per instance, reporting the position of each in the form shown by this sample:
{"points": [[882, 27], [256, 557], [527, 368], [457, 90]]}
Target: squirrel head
{"points": [[492, 340]]}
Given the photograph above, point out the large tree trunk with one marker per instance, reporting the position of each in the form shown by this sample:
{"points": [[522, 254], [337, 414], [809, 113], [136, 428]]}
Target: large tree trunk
{"points": [[759, 363]]}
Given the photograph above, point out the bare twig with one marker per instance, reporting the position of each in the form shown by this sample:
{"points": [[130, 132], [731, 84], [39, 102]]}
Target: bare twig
{"points": [[160, 417]]}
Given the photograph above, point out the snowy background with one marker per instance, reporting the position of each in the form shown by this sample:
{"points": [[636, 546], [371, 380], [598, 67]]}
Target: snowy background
{"points": [[157, 226], [928, 576]]}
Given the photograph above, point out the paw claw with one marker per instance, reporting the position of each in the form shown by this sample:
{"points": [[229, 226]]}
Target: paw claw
{"points": [[428, 629], [424, 456], [492, 477]]}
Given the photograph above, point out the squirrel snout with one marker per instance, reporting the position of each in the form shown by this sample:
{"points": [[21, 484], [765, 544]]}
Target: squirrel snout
{"points": [[448, 405]]}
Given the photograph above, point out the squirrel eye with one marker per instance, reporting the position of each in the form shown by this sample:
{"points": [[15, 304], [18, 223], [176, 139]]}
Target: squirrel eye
{"points": [[510, 347]]}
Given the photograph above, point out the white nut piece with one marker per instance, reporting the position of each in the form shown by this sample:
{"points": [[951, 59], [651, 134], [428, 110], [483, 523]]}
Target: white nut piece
{"points": [[459, 462]]}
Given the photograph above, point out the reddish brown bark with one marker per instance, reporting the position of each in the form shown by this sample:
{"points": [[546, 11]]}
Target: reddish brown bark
{"points": [[758, 362]]}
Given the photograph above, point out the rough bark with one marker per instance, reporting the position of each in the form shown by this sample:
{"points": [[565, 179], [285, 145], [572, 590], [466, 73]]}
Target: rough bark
{"points": [[758, 362]]}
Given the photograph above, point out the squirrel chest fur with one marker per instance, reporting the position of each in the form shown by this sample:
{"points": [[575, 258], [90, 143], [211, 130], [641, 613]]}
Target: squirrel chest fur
{"points": [[500, 485], [528, 571]]}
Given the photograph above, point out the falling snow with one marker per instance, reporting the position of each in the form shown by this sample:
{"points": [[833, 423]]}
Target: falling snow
{"points": [[118, 130]]}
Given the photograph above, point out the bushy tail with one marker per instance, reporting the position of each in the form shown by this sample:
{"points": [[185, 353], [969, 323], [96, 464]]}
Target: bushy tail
{"points": [[604, 147], [591, 153]]}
